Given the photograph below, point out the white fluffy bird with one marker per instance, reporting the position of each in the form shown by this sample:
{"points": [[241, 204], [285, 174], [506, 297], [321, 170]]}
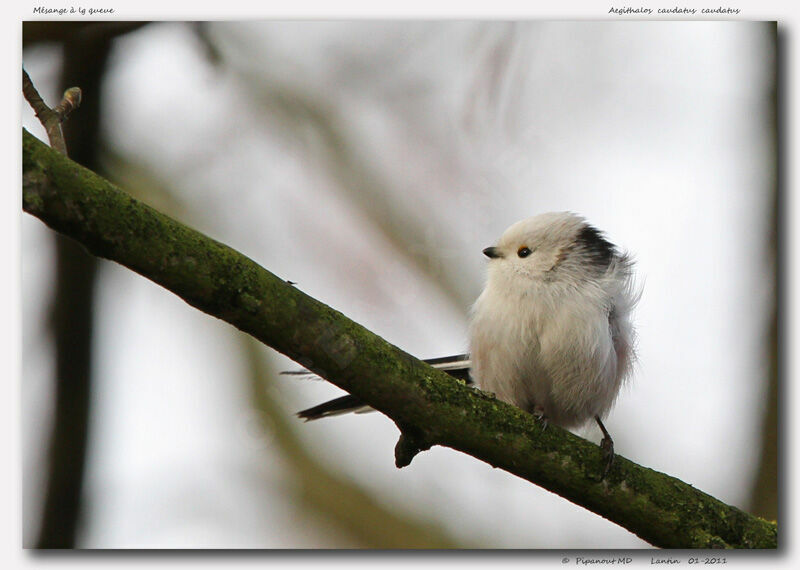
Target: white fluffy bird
{"points": [[551, 332]]}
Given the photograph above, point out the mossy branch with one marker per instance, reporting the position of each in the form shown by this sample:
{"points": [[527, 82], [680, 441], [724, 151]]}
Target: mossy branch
{"points": [[430, 407]]}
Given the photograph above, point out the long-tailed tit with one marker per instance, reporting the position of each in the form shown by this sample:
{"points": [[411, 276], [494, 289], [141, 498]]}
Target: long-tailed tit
{"points": [[551, 332]]}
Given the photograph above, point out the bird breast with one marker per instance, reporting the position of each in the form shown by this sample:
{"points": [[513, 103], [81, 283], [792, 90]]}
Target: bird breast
{"points": [[549, 351]]}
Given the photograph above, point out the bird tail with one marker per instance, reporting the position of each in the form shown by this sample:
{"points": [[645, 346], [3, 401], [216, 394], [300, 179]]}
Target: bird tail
{"points": [[457, 366]]}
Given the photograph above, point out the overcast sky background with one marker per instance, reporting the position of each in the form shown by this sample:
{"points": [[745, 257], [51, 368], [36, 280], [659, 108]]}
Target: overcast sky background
{"points": [[656, 132]]}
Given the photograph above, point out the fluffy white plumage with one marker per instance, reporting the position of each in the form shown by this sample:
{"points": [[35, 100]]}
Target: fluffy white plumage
{"points": [[551, 333]]}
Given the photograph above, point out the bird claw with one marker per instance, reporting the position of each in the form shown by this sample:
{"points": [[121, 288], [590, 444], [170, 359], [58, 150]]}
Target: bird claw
{"points": [[538, 413], [606, 447]]}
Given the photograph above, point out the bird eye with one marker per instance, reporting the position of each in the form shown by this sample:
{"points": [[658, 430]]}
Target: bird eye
{"points": [[523, 252]]}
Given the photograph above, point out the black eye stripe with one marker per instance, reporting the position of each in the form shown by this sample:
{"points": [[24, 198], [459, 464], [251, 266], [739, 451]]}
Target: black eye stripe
{"points": [[523, 252]]}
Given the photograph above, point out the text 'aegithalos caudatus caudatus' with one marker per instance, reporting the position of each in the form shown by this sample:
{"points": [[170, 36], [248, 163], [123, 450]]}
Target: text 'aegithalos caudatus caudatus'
{"points": [[551, 332]]}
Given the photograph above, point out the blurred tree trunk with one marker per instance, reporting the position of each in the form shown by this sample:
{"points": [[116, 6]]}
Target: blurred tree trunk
{"points": [[764, 498], [84, 65]]}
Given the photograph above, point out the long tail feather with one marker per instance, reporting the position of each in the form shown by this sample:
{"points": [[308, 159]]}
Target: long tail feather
{"points": [[456, 366]]}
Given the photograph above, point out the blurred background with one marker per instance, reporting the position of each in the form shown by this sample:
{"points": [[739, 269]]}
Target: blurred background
{"points": [[370, 162]]}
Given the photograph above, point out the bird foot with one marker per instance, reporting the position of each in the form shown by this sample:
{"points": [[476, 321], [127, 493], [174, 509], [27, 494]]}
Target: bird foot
{"points": [[538, 413], [607, 448]]}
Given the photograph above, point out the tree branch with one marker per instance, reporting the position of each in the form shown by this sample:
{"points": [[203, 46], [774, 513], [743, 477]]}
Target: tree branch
{"points": [[51, 119], [431, 407]]}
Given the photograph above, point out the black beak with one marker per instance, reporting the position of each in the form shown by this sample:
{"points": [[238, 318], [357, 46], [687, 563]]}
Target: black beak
{"points": [[492, 253]]}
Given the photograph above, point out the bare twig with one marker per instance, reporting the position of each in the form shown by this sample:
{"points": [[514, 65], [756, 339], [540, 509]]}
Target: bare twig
{"points": [[51, 119]]}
